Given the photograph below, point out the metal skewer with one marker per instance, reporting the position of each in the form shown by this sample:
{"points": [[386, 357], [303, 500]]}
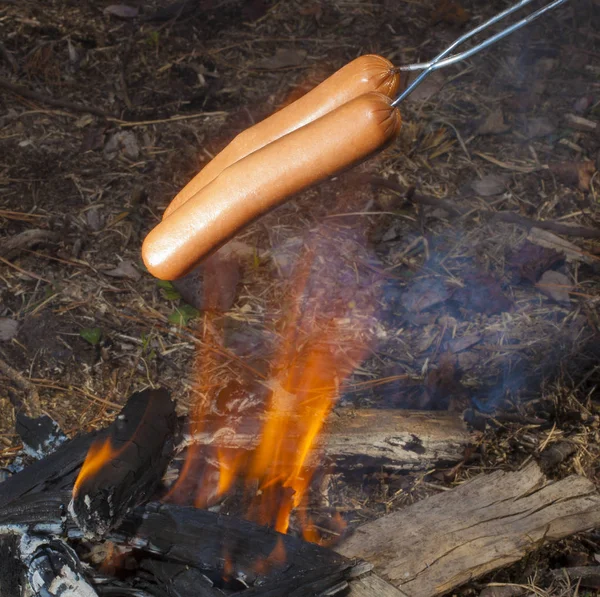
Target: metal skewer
{"points": [[442, 60]]}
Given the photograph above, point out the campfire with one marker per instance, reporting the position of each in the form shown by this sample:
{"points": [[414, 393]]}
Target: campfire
{"points": [[398, 424]]}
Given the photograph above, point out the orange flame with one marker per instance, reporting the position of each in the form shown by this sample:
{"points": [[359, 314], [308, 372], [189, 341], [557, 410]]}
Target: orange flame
{"points": [[321, 344], [98, 455]]}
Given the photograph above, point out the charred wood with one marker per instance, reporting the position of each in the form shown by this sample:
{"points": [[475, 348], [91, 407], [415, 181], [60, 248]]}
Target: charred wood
{"points": [[171, 579], [139, 447], [53, 568], [12, 569], [54, 473], [40, 436], [201, 540]]}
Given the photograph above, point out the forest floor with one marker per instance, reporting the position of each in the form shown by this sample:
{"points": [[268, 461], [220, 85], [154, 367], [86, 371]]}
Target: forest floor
{"points": [[107, 111]]}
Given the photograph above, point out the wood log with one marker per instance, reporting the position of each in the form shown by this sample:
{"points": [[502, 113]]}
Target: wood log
{"points": [[53, 473], [199, 539], [139, 445], [492, 521], [40, 436], [362, 438]]}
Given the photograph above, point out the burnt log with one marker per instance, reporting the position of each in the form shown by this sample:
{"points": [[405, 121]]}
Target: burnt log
{"points": [[135, 453], [270, 563], [40, 436], [364, 438], [51, 474]]}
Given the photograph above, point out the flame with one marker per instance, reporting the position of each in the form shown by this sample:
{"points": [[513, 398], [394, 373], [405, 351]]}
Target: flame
{"points": [[98, 455], [321, 343]]}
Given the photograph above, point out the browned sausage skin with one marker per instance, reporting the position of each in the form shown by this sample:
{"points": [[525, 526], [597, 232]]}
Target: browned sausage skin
{"points": [[364, 74], [265, 178]]}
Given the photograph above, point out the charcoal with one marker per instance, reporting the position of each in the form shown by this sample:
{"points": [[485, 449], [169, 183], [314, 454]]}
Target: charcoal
{"points": [[141, 441], [12, 569], [53, 569], [41, 436]]}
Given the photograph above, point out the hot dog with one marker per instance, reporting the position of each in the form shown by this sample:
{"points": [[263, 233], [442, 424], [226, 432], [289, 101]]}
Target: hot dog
{"points": [[366, 73], [265, 178]]}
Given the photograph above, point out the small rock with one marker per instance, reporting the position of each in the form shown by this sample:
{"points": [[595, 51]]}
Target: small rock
{"points": [[556, 286], [122, 142], [8, 328]]}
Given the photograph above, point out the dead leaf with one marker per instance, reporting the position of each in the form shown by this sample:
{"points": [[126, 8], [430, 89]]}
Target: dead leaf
{"points": [[424, 294], [283, 58], [8, 328], [427, 335], [574, 173], [464, 342], [428, 88], [547, 239], [212, 286], [556, 286], [490, 185], [451, 12], [123, 142], [530, 261], [122, 11], [125, 269], [539, 127], [482, 293], [93, 139], [94, 218], [442, 384], [494, 124]]}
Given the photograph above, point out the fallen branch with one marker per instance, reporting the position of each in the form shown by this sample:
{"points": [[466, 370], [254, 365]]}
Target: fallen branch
{"points": [[492, 521], [12, 245], [499, 216]]}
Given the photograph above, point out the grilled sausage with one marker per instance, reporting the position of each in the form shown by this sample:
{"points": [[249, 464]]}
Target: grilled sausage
{"points": [[366, 73], [265, 178]]}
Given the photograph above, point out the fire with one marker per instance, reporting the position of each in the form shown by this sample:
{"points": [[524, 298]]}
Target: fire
{"points": [[98, 455], [321, 342]]}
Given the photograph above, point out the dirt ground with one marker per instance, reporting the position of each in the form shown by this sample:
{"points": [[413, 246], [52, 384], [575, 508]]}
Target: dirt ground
{"points": [[107, 110]]}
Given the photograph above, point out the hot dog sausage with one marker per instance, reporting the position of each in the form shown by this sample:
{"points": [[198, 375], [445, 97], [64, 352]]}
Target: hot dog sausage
{"points": [[265, 178], [366, 73]]}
